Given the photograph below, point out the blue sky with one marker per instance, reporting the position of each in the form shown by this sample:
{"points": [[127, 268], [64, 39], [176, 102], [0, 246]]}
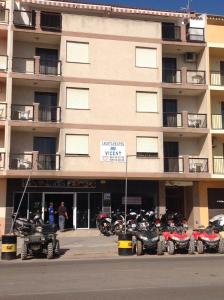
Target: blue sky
{"points": [[207, 6]]}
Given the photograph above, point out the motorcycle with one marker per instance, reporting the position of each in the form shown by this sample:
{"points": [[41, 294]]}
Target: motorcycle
{"points": [[104, 223], [131, 222], [118, 223]]}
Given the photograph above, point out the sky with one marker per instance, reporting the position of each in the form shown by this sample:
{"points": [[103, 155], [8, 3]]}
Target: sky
{"points": [[204, 6]]}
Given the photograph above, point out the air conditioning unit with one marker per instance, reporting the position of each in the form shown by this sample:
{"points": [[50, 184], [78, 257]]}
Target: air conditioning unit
{"points": [[190, 57]]}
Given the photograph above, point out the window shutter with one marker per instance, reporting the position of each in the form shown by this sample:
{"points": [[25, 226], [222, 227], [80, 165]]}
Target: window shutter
{"points": [[77, 52], [77, 144], [146, 102], [77, 98], [146, 57], [147, 145]]}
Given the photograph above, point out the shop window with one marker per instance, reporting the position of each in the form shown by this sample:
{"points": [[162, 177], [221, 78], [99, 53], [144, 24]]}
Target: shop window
{"points": [[77, 52], [77, 98], [146, 57], [147, 146], [146, 102], [77, 144]]}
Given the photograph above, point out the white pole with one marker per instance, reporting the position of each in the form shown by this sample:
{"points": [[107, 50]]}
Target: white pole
{"points": [[126, 195]]}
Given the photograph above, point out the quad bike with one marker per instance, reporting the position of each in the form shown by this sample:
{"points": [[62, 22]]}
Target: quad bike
{"points": [[176, 238], [208, 239]]}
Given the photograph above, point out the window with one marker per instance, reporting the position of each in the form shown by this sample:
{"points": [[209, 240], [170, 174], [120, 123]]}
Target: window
{"points": [[146, 102], [78, 52], [147, 146], [77, 98], [146, 57], [76, 144]]}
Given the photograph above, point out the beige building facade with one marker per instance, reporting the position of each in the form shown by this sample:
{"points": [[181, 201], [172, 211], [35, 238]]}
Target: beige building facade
{"points": [[82, 86]]}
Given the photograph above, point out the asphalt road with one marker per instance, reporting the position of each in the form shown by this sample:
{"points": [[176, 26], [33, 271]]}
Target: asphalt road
{"points": [[160, 278]]}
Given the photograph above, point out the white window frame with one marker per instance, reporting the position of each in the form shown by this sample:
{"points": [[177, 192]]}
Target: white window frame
{"points": [[75, 153], [147, 154], [138, 65], [77, 108], [84, 61], [146, 111]]}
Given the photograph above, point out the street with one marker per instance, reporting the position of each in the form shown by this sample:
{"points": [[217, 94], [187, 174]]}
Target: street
{"points": [[147, 277]]}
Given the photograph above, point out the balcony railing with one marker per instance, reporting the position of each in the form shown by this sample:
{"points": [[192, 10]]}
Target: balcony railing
{"points": [[23, 65], [22, 112], [197, 120], [49, 162], [50, 21], [24, 19], [218, 165], [4, 16], [195, 34], [172, 76], [2, 160], [172, 119], [173, 164], [196, 77], [49, 113], [3, 111], [198, 165], [216, 78], [20, 161], [218, 121], [171, 32], [3, 63], [50, 67]]}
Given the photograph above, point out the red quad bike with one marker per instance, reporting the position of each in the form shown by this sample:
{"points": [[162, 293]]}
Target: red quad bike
{"points": [[176, 238], [208, 239]]}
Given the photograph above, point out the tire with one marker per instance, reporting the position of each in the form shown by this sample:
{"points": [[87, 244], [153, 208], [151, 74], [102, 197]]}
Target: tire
{"points": [[170, 248], [139, 248], [24, 251], [57, 248], [191, 247], [162, 239], [200, 247], [50, 251], [160, 248], [221, 246]]}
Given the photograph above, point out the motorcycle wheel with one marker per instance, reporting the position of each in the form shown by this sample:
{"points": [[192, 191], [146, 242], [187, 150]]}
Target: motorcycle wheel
{"points": [[170, 247], [200, 247], [117, 230], [191, 247], [160, 247], [139, 248], [57, 248], [24, 251], [221, 246], [50, 251]]}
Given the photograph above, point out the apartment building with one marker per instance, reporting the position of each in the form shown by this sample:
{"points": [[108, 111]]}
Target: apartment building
{"points": [[83, 85]]}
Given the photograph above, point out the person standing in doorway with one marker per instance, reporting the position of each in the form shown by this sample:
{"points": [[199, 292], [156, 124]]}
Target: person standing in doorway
{"points": [[51, 213], [62, 215]]}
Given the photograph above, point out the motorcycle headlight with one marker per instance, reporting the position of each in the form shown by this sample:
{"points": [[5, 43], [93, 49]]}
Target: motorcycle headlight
{"points": [[155, 239], [144, 238]]}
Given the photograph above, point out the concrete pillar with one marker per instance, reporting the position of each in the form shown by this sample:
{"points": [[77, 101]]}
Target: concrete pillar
{"points": [[162, 197], [183, 34], [185, 119], [36, 112], [36, 65], [186, 163], [35, 160], [184, 75], [37, 21], [3, 193]]}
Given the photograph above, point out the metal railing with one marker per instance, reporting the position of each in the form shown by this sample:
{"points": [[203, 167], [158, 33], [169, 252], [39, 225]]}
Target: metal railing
{"points": [[23, 65], [2, 160], [50, 67], [195, 34], [173, 164], [172, 76], [22, 112], [3, 63], [197, 120], [50, 21], [3, 111], [49, 113], [218, 165], [4, 16], [218, 121], [171, 32], [196, 77], [216, 78], [20, 161], [171, 119], [49, 162], [24, 18], [198, 165]]}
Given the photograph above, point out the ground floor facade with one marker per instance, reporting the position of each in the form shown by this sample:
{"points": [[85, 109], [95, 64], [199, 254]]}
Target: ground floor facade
{"points": [[84, 199]]}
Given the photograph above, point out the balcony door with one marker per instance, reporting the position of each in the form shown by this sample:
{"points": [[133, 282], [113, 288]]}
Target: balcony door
{"points": [[169, 113], [46, 146], [171, 154], [168, 31], [169, 69], [48, 61], [47, 106], [222, 72], [222, 113]]}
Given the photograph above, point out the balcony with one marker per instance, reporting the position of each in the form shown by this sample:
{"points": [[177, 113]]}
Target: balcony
{"points": [[173, 164], [48, 162], [196, 77], [36, 66], [195, 35], [20, 161], [172, 76], [4, 16], [184, 119], [216, 78], [3, 63], [24, 19], [50, 21], [22, 112], [171, 32], [172, 119], [184, 76], [198, 165], [49, 114], [197, 120]]}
